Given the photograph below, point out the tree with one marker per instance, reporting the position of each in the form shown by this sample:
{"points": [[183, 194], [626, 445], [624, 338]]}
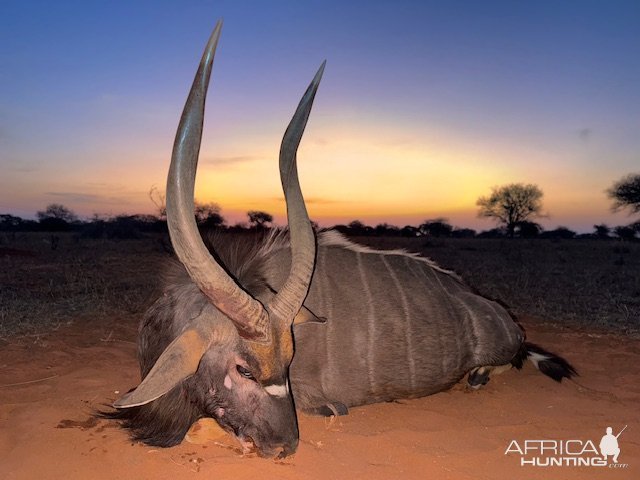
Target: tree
{"points": [[56, 217], [625, 193], [56, 210], [512, 204], [208, 214], [493, 233], [602, 231], [438, 227], [409, 231], [159, 200], [559, 233], [357, 228], [258, 219], [528, 229], [463, 233], [625, 232], [384, 229], [9, 222]]}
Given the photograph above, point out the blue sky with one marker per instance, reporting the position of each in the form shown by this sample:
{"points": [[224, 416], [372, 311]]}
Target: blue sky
{"points": [[424, 106]]}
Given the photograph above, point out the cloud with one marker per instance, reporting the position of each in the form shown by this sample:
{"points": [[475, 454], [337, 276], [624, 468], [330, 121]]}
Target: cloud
{"points": [[106, 97], [24, 168], [585, 134], [322, 201], [315, 200], [395, 142], [230, 160], [111, 188], [81, 197]]}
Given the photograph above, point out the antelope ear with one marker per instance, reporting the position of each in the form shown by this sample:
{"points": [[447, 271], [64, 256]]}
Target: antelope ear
{"points": [[307, 316], [179, 360]]}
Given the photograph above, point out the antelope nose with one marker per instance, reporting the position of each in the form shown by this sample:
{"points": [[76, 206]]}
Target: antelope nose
{"points": [[289, 448]]}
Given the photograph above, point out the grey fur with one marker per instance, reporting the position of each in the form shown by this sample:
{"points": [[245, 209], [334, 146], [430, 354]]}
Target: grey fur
{"points": [[397, 326]]}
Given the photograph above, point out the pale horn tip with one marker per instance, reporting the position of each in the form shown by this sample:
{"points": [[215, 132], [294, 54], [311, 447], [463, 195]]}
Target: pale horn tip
{"points": [[318, 77], [213, 40]]}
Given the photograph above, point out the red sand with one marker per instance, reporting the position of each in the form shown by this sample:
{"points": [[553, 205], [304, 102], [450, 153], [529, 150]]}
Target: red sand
{"points": [[49, 385]]}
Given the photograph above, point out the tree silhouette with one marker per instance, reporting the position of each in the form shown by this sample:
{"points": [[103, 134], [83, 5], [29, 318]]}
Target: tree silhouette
{"points": [[602, 231], [9, 222], [56, 217], [159, 199], [208, 214], [357, 228], [527, 229], [512, 204], [56, 210], [559, 233], [438, 227], [463, 233], [384, 229], [258, 219], [625, 193], [409, 231], [625, 232]]}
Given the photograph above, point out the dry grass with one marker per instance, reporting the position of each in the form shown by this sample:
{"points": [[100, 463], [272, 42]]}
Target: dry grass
{"points": [[595, 284], [42, 288], [588, 283]]}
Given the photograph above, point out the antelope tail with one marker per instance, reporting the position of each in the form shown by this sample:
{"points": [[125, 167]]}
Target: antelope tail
{"points": [[550, 364]]}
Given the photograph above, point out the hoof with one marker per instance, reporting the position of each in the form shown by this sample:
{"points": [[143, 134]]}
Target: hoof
{"points": [[478, 377], [330, 410]]}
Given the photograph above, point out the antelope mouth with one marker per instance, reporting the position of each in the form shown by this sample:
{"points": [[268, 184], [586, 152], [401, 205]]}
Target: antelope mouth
{"points": [[248, 445]]}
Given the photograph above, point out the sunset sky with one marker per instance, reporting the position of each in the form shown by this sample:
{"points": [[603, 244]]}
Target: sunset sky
{"points": [[424, 106]]}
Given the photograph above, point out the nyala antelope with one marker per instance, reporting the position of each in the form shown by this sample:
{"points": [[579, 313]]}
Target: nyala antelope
{"points": [[247, 332]]}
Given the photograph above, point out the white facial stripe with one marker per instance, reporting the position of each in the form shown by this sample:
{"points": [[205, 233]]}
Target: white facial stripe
{"points": [[227, 382], [277, 390]]}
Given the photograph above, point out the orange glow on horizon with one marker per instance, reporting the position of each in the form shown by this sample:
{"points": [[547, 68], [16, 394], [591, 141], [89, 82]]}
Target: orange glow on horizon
{"points": [[377, 174]]}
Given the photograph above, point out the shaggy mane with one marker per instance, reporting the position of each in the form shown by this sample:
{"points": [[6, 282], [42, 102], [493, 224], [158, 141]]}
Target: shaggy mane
{"points": [[241, 255]]}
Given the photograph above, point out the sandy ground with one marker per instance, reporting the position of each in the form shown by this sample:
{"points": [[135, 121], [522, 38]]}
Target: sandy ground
{"points": [[49, 385]]}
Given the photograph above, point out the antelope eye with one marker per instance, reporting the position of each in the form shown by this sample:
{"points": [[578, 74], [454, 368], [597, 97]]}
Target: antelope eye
{"points": [[245, 372]]}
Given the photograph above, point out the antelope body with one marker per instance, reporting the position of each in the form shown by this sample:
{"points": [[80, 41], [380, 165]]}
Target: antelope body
{"points": [[396, 326], [245, 334]]}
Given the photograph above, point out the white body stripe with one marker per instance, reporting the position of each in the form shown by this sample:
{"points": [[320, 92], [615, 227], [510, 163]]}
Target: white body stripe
{"points": [[329, 238], [371, 323], [407, 329]]}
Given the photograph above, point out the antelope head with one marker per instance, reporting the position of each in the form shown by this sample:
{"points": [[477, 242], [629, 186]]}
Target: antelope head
{"points": [[238, 346]]}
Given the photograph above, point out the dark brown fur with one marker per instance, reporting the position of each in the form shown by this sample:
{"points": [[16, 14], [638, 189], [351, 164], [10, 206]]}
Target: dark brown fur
{"points": [[165, 421]]}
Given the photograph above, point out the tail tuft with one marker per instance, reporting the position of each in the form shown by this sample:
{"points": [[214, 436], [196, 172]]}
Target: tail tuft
{"points": [[548, 363]]}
